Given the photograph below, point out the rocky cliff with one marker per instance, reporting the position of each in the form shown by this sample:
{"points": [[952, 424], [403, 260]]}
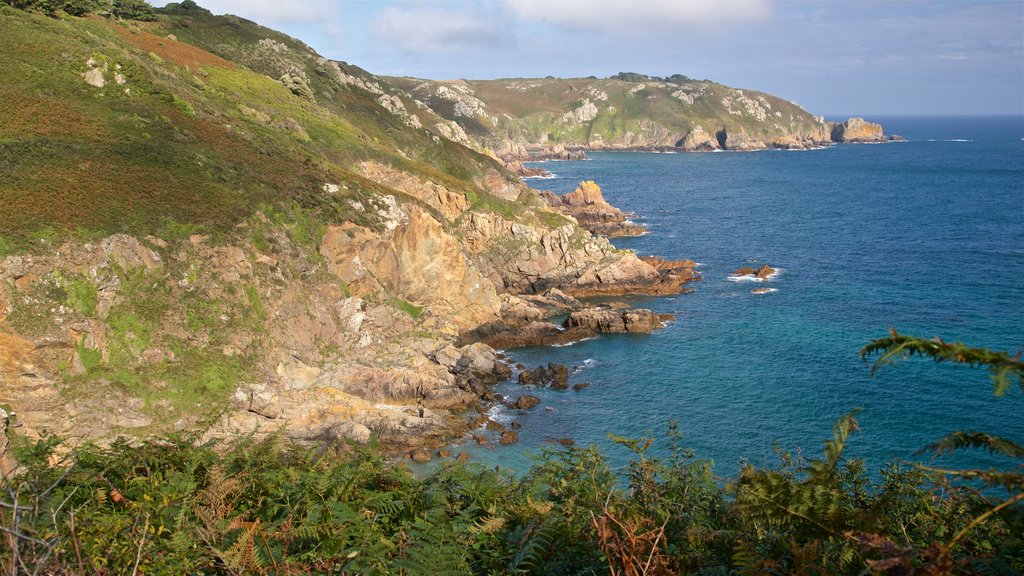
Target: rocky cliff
{"points": [[208, 227], [522, 117]]}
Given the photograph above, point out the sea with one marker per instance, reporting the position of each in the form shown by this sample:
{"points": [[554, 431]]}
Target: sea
{"points": [[924, 236]]}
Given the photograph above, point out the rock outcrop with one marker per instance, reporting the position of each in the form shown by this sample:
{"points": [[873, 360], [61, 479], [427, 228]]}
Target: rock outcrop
{"points": [[604, 320], [857, 130], [697, 140], [587, 205], [762, 273], [523, 258], [418, 261]]}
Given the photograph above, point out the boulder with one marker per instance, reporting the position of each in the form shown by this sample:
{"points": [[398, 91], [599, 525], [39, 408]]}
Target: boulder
{"points": [[526, 402], [509, 437]]}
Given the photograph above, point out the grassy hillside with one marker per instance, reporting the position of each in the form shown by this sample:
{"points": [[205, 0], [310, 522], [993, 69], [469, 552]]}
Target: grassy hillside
{"points": [[200, 120], [622, 111]]}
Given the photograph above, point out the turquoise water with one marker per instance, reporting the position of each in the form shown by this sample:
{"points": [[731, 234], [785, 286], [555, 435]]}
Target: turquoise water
{"points": [[926, 236]]}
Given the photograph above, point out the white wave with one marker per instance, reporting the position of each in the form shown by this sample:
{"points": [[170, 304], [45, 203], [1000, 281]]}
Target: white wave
{"points": [[589, 362], [548, 176], [498, 413], [765, 290], [574, 342], [958, 140]]}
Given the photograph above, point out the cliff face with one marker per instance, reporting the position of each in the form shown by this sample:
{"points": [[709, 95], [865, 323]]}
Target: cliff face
{"points": [[514, 116], [209, 227]]}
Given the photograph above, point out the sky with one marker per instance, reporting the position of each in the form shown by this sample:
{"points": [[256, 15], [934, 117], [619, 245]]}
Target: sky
{"points": [[834, 57]]}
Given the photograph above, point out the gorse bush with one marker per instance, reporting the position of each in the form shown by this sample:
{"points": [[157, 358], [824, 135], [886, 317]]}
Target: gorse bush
{"points": [[179, 506]]}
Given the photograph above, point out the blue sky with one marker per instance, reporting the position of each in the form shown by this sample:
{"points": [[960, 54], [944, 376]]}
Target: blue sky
{"points": [[833, 57]]}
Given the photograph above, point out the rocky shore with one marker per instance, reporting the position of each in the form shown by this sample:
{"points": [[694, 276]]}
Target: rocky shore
{"points": [[852, 131], [301, 342], [587, 205]]}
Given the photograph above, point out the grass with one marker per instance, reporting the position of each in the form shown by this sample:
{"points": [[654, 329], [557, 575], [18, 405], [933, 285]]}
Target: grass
{"points": [[80, 294], [176, 155], [409, 308]]}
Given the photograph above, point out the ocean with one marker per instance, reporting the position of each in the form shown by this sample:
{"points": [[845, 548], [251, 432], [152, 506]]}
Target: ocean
{"points": [[924, 236]]}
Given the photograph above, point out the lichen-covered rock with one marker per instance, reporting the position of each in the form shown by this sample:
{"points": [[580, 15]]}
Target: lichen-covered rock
{"points": [[297, 84]]}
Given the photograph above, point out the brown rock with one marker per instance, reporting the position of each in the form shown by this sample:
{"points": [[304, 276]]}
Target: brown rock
{"points": [[526, 402], [581, 386], [444, 453], [610, 320], [494, 426], [565, 441], [517, 425], [763, 272], [857, 130], [509, 437], [587, 205], [462, 457], [420, 455], [559, 375]]}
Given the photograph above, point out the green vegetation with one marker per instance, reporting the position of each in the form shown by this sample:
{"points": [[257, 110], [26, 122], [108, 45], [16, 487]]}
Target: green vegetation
{"points": [[81, 295], [409, 308], [124, 9], [192, 131], [177, 506]]}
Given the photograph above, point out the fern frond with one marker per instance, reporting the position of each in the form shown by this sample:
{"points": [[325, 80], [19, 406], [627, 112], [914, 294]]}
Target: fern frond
{"points": [[534, 541], [989, 442], [488, 525], [1003, 368], [242, 556]]}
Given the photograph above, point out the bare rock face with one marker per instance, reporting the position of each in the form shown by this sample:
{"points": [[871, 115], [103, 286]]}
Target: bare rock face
{"points": [[634, 275], [449, 204], [857, 130], [593, 213], [697, 140], [522, 258], [419, 261], [738, 140]]}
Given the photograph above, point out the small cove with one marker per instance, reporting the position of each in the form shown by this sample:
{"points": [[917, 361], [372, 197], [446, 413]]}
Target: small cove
{"points": [[924, 236]]}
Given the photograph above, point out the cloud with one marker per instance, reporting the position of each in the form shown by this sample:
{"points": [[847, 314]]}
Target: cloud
{"points": [[431, 29], [622, 15]]}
